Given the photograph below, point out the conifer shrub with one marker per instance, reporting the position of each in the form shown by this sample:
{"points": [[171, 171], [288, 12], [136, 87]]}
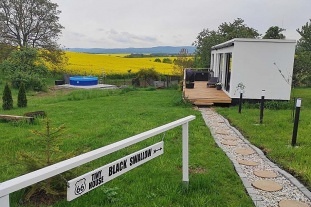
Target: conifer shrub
{"points": [[48, 152], [7, 98], [21, 97]]}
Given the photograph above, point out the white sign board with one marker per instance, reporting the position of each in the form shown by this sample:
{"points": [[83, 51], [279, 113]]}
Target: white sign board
{"points": [[95, 178]]}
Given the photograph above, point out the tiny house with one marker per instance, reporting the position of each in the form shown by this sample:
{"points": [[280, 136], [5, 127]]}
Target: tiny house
{"points": [[254, 65]]}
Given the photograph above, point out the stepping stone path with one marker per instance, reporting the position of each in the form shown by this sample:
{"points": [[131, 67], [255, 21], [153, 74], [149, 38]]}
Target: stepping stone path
{"points": [[291, 203], [230, 138], [267, 185], [248, 162], [222, 132], [265, 174], [230, 143], [244, 151], [265, 182]]}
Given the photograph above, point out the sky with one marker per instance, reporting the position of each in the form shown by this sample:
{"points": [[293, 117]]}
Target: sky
{"points": [[150, 23]]}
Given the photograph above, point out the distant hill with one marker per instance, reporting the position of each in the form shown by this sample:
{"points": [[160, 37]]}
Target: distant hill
{"points": [[151, 50]]}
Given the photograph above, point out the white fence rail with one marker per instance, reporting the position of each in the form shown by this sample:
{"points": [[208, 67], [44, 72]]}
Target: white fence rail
{"points": [[26, 180]]}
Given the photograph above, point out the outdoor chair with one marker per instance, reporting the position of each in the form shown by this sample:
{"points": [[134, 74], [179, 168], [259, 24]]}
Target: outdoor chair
{"points": [[212, 82]]}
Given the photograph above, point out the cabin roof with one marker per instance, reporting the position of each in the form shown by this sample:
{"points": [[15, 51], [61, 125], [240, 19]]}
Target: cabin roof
{"points": [[231, 42]]}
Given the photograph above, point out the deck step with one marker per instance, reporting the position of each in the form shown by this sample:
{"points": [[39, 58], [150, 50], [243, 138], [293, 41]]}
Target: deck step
{"points": [[200, 103]]}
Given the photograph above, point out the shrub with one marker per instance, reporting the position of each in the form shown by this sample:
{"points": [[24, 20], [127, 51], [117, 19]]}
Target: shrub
{"points": [[158, 60], [25, 66], [21, 97], [32, 81], [7, 98], [148, 75], [167, 60]]}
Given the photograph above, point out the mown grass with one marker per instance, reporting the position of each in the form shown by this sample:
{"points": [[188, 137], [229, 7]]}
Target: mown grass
{"points": [[95, 118], [275, 134]]}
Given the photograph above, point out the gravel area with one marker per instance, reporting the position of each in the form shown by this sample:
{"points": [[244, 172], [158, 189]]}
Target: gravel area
{"points": [[292, 188]]}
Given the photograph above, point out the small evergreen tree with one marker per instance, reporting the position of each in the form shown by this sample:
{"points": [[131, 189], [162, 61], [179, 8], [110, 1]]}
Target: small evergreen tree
{"points": [[21, 98], [48, 152], [7, 98]]}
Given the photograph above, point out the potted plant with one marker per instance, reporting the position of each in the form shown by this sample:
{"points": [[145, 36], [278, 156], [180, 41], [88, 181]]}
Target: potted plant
{"points": [[190, 78], [218, 86], [189, 84]]}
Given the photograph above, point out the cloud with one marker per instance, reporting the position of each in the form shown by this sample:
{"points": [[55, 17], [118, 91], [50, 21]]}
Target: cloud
{"points": [[107, 39], [131, 39], [143, 23]]}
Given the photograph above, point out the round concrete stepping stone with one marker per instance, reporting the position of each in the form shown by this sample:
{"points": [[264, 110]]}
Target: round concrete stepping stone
{"points": [[265, 174], [230, 138], [229, 143], [223, 132], [248, 162], [244, 151], [215, 125], [292, 203], [267, 185]]}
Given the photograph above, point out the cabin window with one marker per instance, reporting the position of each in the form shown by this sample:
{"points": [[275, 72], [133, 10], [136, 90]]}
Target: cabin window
{"points": [[220, 66], [212, 62], [227, 75]]}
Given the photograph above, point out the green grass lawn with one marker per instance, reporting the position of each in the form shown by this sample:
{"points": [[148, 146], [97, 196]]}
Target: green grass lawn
{"points": [[95, 118], [275, 134]]}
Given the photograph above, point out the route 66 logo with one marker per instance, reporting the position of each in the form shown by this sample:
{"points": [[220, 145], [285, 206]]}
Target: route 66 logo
{"points": [[80, 186]]}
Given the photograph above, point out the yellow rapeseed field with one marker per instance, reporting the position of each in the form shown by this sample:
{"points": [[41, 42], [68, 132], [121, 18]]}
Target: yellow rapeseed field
{"points": [[99, 64]]}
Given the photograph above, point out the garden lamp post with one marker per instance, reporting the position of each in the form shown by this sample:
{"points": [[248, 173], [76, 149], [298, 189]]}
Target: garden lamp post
{"points": [[295, 130], [262, 104], [240, 102]]}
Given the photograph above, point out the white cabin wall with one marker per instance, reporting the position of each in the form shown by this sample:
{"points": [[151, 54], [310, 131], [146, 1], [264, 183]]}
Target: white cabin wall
{"points": [[254, 67]]}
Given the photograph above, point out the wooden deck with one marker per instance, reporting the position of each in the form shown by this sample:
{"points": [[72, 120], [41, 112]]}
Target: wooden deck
{"points": [[201, 95]]}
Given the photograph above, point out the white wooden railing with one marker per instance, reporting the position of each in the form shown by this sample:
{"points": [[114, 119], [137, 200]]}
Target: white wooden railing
{"points": [[26, 180]]}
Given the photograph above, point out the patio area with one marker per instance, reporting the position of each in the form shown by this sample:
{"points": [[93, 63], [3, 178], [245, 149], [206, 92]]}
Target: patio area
{"points": [[201, 95]]}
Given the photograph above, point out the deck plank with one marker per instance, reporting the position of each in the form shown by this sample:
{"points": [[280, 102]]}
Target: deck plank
{"points": [[202, 95]]}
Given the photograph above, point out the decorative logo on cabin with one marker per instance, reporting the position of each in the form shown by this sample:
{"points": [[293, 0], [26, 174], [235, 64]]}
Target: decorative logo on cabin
{"points": [[80, 186]]}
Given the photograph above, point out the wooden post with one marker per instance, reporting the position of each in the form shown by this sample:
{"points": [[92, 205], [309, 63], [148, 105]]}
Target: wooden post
{"points": [[240, 102]]}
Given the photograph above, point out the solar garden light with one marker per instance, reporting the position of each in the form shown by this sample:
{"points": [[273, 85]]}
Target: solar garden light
{"points": [[295, 130], [262, 104], [240, 102]]}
